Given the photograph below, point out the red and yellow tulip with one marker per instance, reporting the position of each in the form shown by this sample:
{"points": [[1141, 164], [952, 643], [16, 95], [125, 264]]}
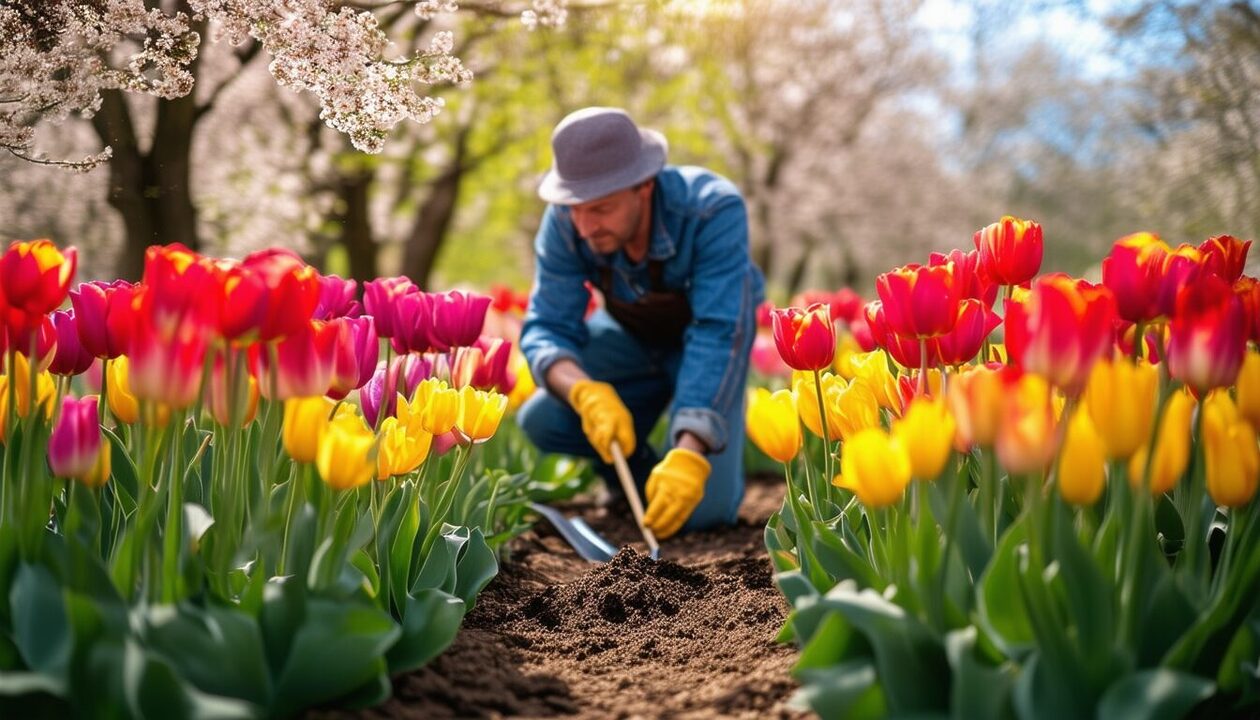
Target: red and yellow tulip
{"points": [[1010, 250], [806, 338]]}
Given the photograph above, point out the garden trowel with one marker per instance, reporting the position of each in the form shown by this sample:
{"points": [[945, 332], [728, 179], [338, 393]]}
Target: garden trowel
{"points": [[588, 543]]}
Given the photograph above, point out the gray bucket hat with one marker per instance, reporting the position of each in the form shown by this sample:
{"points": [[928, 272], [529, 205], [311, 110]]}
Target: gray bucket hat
{"points": [[598, 151]]}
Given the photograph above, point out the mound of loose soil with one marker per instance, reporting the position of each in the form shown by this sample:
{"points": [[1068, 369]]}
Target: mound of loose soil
{"points": [[689, 636]]}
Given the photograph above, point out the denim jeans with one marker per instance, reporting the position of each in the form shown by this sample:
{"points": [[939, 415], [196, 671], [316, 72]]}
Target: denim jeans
{"points": [[644, 377]]}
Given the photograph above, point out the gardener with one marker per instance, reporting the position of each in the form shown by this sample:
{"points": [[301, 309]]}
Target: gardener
{"points": [[667, 248]]}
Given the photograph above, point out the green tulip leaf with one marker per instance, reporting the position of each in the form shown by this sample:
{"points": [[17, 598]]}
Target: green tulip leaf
{"points": [[1156, 694]]}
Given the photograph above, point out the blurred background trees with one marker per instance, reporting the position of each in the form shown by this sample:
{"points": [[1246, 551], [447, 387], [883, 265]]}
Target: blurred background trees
{"points": [[864, 134]]}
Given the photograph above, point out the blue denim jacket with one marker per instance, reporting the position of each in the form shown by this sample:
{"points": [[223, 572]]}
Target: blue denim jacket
{"points": [[700, 231]]}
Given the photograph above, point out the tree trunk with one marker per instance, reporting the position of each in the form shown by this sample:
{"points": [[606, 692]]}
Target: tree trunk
{"points": [[126, 181], [356, 224], [435, 217]]}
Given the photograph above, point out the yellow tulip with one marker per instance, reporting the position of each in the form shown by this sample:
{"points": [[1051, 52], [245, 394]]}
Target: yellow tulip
{"points": [[773, 424], [847, 349], [346, 459], [45, 392], [439, 406], [525, 385], [1025, 434], [856, 409], [1082, 461], [806, 393], [1172, 449], [118, 391], [1249, 390], [1233, 459], [479, 413], [875, 467], [402, 449], [872, 369], [99, 474], [975, 399], [305, 420], [926, 431], [1120, 398]]}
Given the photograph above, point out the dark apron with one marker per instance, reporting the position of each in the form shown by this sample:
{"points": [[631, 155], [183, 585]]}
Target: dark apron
{"points": [[658, 318]]}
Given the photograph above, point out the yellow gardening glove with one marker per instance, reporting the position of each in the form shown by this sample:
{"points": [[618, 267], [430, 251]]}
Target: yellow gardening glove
{"points": [[604, 417], [674, 489]]}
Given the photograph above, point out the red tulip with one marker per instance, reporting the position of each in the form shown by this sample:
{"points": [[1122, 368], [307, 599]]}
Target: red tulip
{"points": [[242, 298], [960, 345], [177, 293], [1225, 256], [1248, 290], [763, 313], [483, 366], [70, 357], [1134, 272], [293, 291], [860, 328], [1070, 325], [906, 351], [1153, 345], [218, 395], [967, 276], [354, 360], [304, 363], [1182, 267], [1207, 335], [846, 305], [506, 300], [337, 298], [105, 316], [75, 443], [166, 369], [919, 302], [379, 299], [35, 275], [458, 318], [806, 339], [1015, 326], [1010, 250]]}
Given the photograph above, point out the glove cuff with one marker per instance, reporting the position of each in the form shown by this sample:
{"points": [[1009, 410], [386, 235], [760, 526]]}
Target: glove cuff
{"points": [[690, 459]]}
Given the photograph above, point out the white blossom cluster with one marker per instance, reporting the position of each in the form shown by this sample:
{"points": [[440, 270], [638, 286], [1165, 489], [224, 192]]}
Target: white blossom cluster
{"points": [[57, 55], [428, 9], [547, 13]]}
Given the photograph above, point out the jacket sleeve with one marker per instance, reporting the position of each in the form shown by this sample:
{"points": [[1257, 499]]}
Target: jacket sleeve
{"points": [[715, 355], [555, 326]]}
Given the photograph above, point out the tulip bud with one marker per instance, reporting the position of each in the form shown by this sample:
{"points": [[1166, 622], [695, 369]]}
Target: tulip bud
{"points": [[773, 425], [74, 447], [926, 431], [1082, 462], [874, 467], [806, 339], [346, 457], [1172, 448], [1120, 399], [1233, 458], [480, 413], [305, 420]]}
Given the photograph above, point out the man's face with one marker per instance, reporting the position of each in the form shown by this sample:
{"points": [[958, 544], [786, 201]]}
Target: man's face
{"points": [[609, 223]]}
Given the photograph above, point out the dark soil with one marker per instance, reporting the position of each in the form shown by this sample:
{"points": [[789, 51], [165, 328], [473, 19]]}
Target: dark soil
{"points": [[689, 636]]}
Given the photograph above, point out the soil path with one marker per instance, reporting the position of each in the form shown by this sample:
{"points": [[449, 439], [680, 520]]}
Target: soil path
{"points": [[691, 636]]}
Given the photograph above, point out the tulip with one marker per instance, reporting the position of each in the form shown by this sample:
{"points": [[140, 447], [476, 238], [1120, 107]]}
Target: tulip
{"points": [[74, 447], [441, 406], [772, 422], [293, 292], [1172, 448], [413, 323], [1248, 291], [355, 352], [166, 370], [45, 391], [483, 366], [846, 348], [856, 408], [919, 302], [522, 381], [1207, 336], [806, 392], [174, 299], [100, 472], [346, 457], [458, 318], [926, 431], [1225, 256], [379, 300], [1233, 458], [305, 420], [242, 295], [401, 449], [479, 413], [846, 305], [860, 327], [871, 369], [304, 362], [1015, 325], [1182, 268], [1070, 324], [219, 396], [975, 323], [765, 358], [35, 275], [908, 386], [504, 299], [337, 298], [69, 358], [1134, 272], [1120, 399], [1082, 462], [905, 350], [402, 378], [806, 339], [1249, 390], [875, 467], [1153, 339], [105, 315], [1010, 250], [975, 400], [1026, 429], [971, 282]]}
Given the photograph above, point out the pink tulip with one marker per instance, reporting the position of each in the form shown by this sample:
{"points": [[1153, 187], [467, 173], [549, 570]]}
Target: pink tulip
{"points": [[379, 300], [75, 443], [458, 318], [70, 357], [1225, 256], [405, 374], [357, 350], [413, 323], [105, 316], [337, 298]]}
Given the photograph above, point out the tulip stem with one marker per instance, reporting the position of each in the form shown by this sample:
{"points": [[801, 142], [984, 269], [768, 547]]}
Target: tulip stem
{"points": [[826, 433], [923, 364], [1139, 329], [1192, 504], [985, 499], [446, 497]]}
